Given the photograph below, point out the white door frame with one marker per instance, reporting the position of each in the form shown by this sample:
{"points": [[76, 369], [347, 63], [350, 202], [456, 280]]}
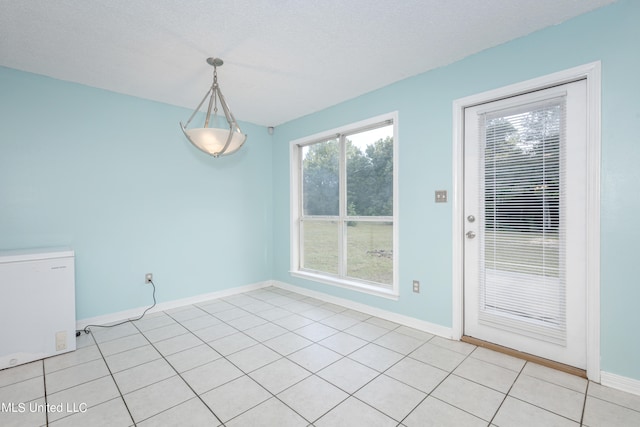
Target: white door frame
{"points": [[592, 73]]}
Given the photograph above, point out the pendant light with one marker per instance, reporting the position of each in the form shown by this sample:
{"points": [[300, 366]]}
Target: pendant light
{"points": [[215, 138]]}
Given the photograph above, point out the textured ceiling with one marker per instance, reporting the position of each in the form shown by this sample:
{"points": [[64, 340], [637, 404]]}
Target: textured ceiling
{"points": [[283, 58]]}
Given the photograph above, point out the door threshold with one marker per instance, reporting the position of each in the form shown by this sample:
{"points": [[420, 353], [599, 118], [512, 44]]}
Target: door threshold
{"points": [[526, 356]]}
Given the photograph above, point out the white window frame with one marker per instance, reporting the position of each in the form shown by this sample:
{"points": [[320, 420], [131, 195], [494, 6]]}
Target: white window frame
{"points": [[295, 177]]}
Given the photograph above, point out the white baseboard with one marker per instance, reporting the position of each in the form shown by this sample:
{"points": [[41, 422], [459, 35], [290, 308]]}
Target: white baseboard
{"points": [[412, 322], [619, 382], [607, 379], [136, 312]]}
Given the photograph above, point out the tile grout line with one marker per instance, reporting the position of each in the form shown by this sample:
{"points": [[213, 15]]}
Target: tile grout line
{"points": [[532, 404], [237, 367], [387, 415], [113, 378], [177, 373], [507, 393], [379, 373], [241, 370], [282, 357], [346, 356], [313, 373], [260, 341], [614, 403], [70, 387], [44, 381], [406, 356], [449, 373], [544, 409], [584, 403]]}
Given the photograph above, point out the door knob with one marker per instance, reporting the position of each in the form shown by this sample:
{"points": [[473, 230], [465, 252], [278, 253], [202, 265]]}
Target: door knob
{"points": [[470, 234], [471, 218]]}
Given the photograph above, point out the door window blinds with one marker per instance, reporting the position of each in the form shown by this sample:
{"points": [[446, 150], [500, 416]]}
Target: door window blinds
{"points": [[522, 283]]}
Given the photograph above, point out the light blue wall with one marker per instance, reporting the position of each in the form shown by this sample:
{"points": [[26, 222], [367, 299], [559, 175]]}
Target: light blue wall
{"points": [[424, 104], [114, 178]]}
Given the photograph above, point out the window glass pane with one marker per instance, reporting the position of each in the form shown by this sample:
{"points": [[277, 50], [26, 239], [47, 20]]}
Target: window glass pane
{"points": [[344, 181], [320, 246], [320, 178], [522, 191], [370, 172], [522, 244], [370, 251]]}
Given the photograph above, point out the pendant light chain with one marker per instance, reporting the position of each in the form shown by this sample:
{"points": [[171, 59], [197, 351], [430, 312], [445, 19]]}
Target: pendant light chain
{"points": [[215, 86]]}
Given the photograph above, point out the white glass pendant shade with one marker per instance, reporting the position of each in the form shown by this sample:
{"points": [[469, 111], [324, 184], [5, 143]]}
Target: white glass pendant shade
{"points": [[213, 140]]}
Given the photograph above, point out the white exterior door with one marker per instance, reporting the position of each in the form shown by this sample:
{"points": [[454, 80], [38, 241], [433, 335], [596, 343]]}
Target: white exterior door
{"points": [[525, 204]]}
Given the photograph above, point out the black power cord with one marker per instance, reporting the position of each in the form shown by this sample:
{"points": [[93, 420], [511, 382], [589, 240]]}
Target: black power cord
{"points": [[86, 329]]}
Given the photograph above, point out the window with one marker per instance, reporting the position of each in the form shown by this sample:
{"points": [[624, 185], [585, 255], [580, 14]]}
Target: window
{"points": [[343, 206]]}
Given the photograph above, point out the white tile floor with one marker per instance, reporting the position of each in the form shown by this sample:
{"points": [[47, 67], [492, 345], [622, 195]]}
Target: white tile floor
{"points": [[275, 358]]}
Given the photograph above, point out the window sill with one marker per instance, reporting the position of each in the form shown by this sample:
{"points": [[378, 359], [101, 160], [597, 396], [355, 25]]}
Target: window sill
{"points": [[347, 284]]}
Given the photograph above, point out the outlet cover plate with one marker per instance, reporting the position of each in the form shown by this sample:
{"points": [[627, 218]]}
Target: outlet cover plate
{"points": [[441, 196]]}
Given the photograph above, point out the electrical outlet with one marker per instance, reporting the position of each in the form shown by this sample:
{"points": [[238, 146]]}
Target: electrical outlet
{"points": [[148, 278], [416, 286], [441, 196]]}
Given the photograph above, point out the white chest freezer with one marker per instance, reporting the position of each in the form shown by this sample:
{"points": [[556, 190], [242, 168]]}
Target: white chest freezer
{"points": [[37, 304]]}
